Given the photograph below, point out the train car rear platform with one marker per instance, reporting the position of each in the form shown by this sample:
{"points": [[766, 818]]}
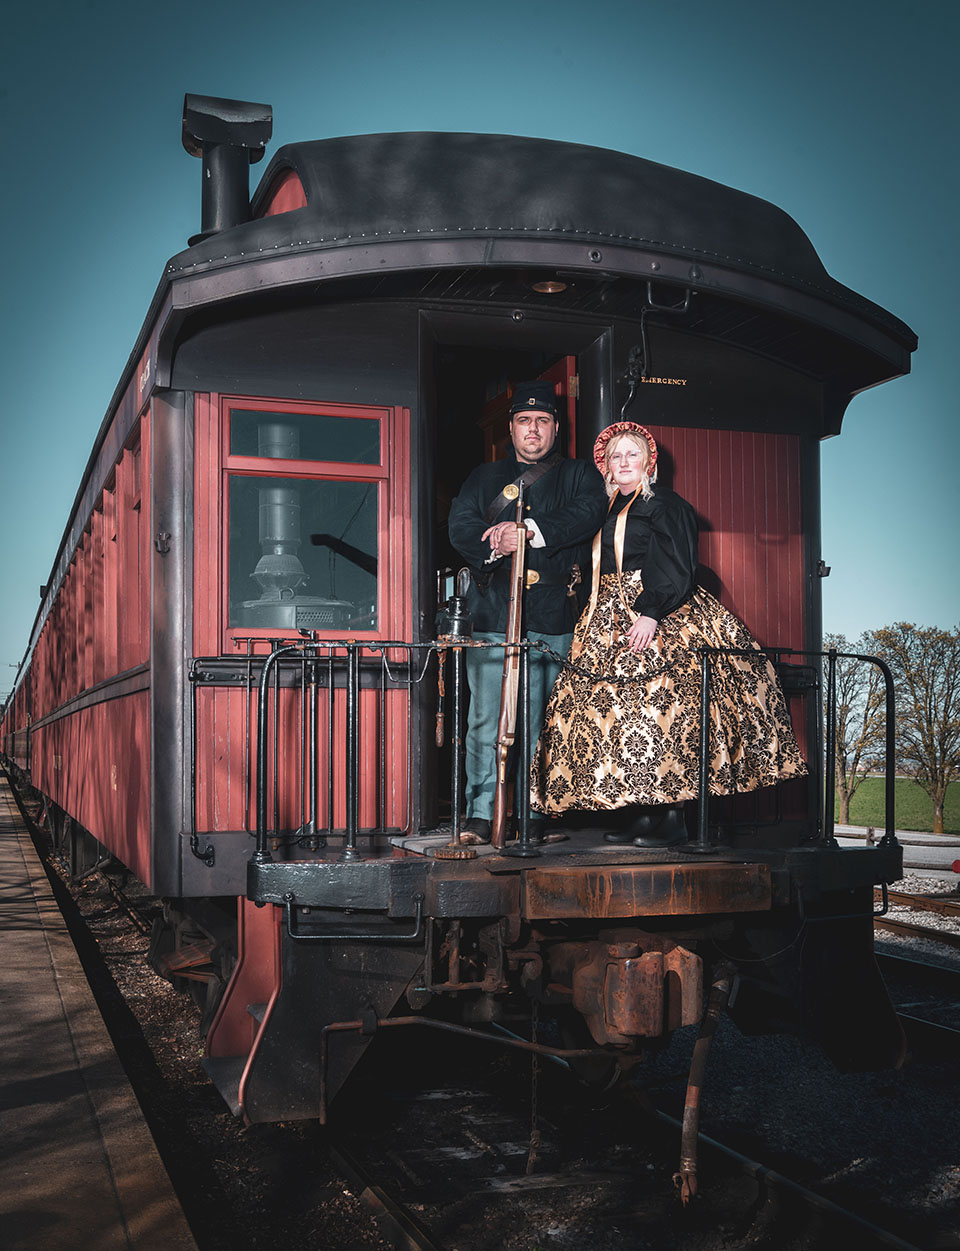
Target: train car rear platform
{"points": [[78, 1166]]}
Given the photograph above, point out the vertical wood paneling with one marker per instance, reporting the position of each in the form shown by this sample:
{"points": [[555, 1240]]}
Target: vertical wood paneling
{"points": [[144, 537], [222, 778], [745, 487], [111, 588], [95, 765]]}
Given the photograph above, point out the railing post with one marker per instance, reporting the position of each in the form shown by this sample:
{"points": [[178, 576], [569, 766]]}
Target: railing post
{"points": [[350, 851], [276, 742], [890, 765], [890, 752], [331, 725], [830, 762], [456, 744], [313, 825], [262, 853], [521, 804]]}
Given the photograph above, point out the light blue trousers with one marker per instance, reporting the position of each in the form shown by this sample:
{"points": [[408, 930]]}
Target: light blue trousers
{"points": [[485, 677]]}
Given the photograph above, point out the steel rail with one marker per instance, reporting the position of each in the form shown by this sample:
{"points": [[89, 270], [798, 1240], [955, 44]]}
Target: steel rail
{"points": [[942, 976], [397, 1225], [123, 900], [925, 903], [947, 937], [931, 1039]]}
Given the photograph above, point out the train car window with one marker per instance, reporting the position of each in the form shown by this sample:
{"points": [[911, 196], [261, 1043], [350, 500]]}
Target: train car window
{"points": [[303, 552], [302, 436]]}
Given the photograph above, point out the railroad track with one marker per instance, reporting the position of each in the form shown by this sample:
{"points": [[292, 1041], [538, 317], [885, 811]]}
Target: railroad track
{"points": [[460, 1179], [938, 904], [454, 1158], [939, 989], [941, 904], [893, 925], [944, 978]]}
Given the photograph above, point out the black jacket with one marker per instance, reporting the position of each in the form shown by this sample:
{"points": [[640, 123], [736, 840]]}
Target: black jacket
{"points": [[661, 541], [568, 504]]}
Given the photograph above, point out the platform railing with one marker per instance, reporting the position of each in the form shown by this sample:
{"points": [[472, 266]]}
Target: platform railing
{"points": [[825, 817], [358, 678], [348, 670]]}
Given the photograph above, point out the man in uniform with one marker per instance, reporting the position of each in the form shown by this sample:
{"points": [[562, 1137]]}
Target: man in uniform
{"points": [[564, 506]]}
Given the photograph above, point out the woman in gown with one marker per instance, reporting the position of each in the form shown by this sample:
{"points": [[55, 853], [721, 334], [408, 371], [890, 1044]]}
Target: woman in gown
{"points": [[622, 727]]}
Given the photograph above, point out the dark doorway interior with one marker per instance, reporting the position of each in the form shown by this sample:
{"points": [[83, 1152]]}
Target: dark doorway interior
{"points": [[472, 412]]}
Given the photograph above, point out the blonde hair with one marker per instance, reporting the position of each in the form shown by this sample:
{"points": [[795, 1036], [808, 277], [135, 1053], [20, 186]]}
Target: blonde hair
{"points": [[628, 436]]}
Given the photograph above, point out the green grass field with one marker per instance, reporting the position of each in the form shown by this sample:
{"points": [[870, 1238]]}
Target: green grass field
{"points": [[914, 811]]}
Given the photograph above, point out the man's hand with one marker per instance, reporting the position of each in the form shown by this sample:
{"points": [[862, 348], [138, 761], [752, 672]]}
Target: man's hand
{"points": [[640, 634], [503, 538]]}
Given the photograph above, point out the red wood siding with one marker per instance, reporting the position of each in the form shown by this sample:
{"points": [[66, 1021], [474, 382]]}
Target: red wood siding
{"points": [[95, 627], [745, 488], [95, 764], [226, 798]]}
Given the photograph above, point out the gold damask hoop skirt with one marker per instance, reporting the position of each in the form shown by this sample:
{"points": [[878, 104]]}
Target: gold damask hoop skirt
{"points": [[637, 741]]}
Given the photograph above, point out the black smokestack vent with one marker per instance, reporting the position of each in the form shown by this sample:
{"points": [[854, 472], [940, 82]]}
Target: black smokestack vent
{"points": [[229, 135]]}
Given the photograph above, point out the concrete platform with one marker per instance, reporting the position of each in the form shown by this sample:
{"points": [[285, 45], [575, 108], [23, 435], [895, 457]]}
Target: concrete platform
{"points": [[79, 1170]]}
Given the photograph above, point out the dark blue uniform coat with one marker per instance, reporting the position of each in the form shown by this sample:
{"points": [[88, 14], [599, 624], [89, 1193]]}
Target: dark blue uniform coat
{"points": [[568, 503]]}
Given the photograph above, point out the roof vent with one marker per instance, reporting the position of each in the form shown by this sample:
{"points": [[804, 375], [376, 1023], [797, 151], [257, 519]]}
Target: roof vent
{"points": [[229, 135]]}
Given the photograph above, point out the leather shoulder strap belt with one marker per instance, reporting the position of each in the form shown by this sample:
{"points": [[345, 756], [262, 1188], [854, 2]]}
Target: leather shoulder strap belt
{"points": [[532, 473]]}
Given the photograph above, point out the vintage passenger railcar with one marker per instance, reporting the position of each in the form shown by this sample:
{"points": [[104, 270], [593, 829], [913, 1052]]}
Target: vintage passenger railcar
{"points": [[232, 681]]}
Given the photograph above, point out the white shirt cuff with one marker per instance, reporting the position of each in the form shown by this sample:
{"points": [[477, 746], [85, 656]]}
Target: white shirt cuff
{"points": [[536, 538]]}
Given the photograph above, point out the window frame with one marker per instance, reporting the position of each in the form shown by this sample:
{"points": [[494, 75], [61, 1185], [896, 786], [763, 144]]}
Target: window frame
{"points": [[390, 475]]}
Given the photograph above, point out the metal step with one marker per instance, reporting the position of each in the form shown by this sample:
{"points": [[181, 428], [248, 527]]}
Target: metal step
{"points": [[225, 1072]]}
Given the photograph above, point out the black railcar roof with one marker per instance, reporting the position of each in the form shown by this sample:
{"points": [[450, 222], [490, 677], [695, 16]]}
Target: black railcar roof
{"points": [[398, 187]]}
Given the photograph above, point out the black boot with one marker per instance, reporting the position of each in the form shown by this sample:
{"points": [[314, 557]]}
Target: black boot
{"points": [[538, 831], [664, 827], [619, 836], [639, 823], [475, 830]]}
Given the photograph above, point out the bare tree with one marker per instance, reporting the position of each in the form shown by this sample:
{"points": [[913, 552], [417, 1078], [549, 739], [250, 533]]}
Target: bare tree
{"points": [[925, 662], [859, 739]]}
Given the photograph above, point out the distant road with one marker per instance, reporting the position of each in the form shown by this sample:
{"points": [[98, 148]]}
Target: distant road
{"points": [[920, 849]]}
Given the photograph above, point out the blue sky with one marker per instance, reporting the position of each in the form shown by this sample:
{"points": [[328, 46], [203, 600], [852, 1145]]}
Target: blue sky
{"points": [[845, 114]]}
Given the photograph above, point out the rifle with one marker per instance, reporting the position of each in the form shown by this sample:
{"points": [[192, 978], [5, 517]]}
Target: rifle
{"points": [[509, 691]]}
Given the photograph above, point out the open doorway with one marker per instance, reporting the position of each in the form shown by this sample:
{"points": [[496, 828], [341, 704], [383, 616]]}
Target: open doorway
{"points": [[474, 388]]}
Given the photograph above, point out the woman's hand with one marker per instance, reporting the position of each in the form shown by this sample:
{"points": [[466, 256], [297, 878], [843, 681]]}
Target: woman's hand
{"points": [[640, 634]]}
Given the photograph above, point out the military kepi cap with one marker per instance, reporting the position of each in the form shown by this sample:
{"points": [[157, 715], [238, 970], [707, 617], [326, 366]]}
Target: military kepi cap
{"points": [[535, 396]]}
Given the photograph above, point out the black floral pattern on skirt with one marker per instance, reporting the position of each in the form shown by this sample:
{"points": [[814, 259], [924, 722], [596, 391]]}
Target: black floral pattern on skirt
{"points": [[636, 740]]}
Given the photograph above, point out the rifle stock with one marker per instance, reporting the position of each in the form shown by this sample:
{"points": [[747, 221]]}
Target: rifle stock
{"points": [[507, 720]]}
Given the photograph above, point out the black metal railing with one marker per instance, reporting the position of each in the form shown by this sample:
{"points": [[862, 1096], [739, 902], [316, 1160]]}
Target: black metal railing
{"points": [[825, 815], [358, 678], [348, 671], [320, 704]]}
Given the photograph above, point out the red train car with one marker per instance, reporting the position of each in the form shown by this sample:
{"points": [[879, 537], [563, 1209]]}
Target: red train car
{"points": [[232, 681]]}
